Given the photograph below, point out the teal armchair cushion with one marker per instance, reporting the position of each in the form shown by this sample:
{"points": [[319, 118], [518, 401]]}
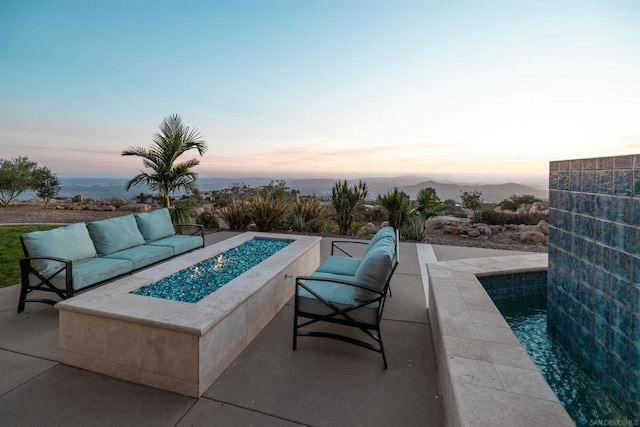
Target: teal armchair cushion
{"points": [[376, 265], [71, 242], [382, 234], [340, 265], [115, 234], [155, 225]]}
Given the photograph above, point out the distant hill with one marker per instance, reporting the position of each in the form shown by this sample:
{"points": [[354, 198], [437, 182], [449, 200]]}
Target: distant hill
{"points": [[492, 193], [103, 188]]}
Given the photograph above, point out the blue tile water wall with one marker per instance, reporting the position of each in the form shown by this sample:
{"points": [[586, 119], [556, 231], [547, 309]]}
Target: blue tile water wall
{"points": [[593, 293], [509, 287]]}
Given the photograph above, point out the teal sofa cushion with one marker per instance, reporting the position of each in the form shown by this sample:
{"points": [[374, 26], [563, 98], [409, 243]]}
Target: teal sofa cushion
{"points": [[115, 234], [142, 256], [376, 265], [71, 242], [155, 225], [340, 265], [179, 243], [94, 270]]}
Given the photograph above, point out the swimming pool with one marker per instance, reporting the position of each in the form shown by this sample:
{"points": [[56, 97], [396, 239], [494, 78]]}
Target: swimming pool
{"points": [[584, 401]]}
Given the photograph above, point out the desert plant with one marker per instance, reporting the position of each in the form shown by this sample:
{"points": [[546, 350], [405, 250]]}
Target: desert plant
{"points": [[267, 212], [306, 210], [208, 220], [398, 206], [181, 214], [167, 176], [473, 200], [345, 200], [414, 229], [428, 203], [236, 214]]}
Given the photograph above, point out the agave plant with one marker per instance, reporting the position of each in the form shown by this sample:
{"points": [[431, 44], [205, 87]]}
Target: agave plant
{"points": [[236, 215], [267, 212], [414, 229]]}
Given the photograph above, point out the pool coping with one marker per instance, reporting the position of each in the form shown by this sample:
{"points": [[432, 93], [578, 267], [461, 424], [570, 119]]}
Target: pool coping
{"points": [[485, 375]]}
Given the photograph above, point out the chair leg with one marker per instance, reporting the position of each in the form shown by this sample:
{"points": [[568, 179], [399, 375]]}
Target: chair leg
{"points": [[384, 357]]}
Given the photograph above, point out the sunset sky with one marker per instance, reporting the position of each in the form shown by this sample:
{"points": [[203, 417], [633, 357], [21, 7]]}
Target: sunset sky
{"points": [[333, 88]]}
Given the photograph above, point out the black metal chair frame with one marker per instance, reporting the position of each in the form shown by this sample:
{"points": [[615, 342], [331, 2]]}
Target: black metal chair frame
{"points": [[45, 284], [342, 316]]}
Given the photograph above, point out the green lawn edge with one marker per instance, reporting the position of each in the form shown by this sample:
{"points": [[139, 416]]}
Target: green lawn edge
{"points": [[11, 251]]}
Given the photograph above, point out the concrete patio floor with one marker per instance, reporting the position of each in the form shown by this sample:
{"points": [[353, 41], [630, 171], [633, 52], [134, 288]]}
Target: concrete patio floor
{"points": [[323, 383]]}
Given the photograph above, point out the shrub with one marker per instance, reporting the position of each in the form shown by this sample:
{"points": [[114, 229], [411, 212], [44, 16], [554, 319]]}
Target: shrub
{"points": [[428, 202], [208, 220], [180, 214], [236, 215], [414, 229], [514, 201], [316, 225], [473, 200], [267, 212], [398, 206], [304, 211], [345, 200], [492, 217]]}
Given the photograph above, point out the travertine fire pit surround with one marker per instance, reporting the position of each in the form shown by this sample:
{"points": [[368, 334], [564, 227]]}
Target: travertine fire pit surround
{"points": [[176, 346]]}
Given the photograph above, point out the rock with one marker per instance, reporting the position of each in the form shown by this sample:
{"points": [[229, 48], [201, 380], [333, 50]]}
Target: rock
{"points": [[367, 229], [135, 207], [532, 236], [116, 202], [543, 227], [474, 232]]}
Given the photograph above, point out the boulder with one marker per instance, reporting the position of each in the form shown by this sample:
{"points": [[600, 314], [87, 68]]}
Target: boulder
{"points": [[532, 236], [135, 207], [543, 227]]}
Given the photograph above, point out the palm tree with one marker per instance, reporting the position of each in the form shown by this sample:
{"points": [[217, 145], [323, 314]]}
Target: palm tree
{"points": [[166, 176]]}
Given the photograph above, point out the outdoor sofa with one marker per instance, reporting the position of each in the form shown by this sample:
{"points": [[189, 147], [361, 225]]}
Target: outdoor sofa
{"points": [[76, 257], [349, 291]]}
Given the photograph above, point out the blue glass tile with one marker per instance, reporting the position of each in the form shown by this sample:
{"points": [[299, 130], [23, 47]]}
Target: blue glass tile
{"points": [[622, 211], [621, 264], [636, 212], [553, 180], [635, 261], [587, 227], [563, 200], [621, 292], [635, 299], [601, 329], [623, 182], [636, 182], [622, 237], [621, 320], [604, 182], [603, 206], [563, 180], [619, 346], [588, 181], [587, 204], [635, 330], [574, 180]]}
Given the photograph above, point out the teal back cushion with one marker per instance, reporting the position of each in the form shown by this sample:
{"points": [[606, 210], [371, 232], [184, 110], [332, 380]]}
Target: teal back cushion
{"points": [[384, 233], [155, 225], [71, 242], [376, 265], [115, 234]]}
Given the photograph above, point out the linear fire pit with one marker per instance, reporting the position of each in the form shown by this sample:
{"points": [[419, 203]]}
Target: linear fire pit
{"points": [[180, 346]]}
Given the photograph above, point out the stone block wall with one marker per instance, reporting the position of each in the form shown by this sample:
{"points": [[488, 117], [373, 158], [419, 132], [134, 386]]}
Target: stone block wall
{"points": [[594, 270]]}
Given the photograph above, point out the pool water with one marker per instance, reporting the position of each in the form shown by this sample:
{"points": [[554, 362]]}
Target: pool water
{"points": [[196, 282], [584, 401]]}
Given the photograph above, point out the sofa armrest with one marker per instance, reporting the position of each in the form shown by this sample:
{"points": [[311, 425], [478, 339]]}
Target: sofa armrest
{"points": [[190, 229], [301, 279]]}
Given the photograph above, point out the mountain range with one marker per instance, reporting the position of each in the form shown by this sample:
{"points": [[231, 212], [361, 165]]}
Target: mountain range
{"points": [[103, 188]]}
